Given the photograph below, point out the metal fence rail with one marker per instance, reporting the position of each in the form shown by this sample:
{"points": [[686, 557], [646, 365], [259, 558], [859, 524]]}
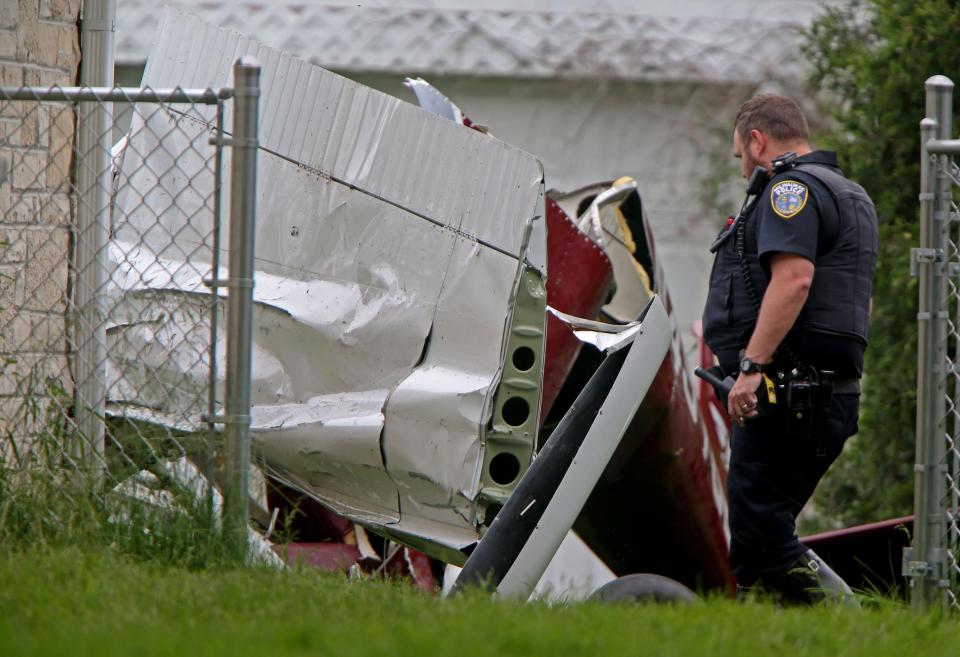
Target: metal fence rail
{"points": [[932, 564], [105, 250]]}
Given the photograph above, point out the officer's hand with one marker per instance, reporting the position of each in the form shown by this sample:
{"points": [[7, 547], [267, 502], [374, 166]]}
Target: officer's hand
{"points": [[742, 400]]}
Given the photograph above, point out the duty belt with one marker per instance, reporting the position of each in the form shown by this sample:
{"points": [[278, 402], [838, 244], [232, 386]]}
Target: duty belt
{"points": [[846, 387], [849, 386]]}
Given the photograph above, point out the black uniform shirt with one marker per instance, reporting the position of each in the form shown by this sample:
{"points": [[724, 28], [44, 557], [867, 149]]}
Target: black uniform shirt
{"points": [[798, 215], [795, 213], [794, 209]]}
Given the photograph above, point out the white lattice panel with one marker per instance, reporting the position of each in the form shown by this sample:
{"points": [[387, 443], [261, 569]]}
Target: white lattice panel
{"points": [[738, 40]]}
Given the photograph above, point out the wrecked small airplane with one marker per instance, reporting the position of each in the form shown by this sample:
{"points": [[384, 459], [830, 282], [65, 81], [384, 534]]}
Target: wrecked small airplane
{"points": [[452, 366]]}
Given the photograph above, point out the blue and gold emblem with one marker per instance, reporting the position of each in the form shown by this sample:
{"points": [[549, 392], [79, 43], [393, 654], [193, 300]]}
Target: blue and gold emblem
{"points": [[788, 197]]}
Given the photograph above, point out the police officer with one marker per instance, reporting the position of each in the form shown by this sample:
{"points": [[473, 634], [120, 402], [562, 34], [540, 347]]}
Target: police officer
{"points": [[788, 304]]}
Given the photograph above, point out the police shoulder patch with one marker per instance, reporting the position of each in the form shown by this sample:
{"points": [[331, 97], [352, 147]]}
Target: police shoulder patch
{"points": [[788, 198]]}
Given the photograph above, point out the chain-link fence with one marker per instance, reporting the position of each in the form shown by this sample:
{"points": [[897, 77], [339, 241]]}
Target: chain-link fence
{"points": [[124, 344], [931, 564]]}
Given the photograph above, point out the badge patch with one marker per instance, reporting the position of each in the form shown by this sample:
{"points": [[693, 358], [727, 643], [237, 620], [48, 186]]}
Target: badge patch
{"points": [[788, 197]]}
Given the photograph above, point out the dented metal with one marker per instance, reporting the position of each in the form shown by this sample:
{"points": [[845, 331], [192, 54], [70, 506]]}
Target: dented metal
{"points": [[510, 440], [400, 366], [390, 252], [599, 335]]}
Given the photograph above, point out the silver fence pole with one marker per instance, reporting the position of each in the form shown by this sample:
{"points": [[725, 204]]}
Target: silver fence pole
{"points": [[928, 399], [924, 563], [940, 106], [210, 465], [95, 126], [243, 199], [940, 102]]}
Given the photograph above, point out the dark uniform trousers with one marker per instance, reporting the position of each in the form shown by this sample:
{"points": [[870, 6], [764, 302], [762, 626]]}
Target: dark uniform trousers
{"points": [[773, 472]]}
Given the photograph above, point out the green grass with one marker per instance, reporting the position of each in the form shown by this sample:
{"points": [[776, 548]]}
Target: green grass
{"points": [[75, 581], [49, 498], [72, 601], [38, 509]]}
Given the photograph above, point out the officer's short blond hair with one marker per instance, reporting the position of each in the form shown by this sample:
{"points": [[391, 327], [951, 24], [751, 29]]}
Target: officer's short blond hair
{"points": [[774, 115]]}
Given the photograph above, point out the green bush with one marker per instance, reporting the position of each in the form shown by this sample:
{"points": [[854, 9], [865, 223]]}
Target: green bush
{"points": [[870, 60]]}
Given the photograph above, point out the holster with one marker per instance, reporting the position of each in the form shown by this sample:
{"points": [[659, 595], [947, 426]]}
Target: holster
{"points": [[804, 399]]}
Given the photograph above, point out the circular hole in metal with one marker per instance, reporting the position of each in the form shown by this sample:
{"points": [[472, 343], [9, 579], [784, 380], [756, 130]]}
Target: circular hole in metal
{"points": [[515, 411], [491, 513], [524, 358], [504, 468]]}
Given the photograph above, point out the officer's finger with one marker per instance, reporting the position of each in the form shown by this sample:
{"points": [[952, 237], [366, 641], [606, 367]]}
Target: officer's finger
{"points": [[737, 404], [734, 400]]}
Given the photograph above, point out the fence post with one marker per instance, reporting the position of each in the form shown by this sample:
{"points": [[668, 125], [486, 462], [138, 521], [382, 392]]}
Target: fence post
{"points": [[924, 565], [243, 199], [95, 126]]}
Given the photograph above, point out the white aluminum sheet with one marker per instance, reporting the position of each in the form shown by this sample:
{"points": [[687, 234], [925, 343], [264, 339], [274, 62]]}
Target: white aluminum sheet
{"points": [[388, 245]]}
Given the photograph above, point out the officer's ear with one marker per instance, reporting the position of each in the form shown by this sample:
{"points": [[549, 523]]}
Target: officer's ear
{"points": [[756, 144]]}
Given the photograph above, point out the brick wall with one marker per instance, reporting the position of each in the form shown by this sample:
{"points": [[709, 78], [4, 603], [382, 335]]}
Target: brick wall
{"points": [[39, 46]]}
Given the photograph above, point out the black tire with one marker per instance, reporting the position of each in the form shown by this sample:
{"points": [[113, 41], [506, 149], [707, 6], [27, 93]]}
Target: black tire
{"points": [[644, 587]]}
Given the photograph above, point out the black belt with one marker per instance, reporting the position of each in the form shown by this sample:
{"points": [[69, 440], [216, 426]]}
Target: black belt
{"points": [[840, 386], [846, 387]]}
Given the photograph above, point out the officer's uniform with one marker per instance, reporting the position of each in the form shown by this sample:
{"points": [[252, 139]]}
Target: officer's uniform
{"points": [[813, 211]]}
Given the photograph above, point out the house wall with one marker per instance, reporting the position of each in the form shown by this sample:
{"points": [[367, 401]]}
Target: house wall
{"points": [[39, 46]]}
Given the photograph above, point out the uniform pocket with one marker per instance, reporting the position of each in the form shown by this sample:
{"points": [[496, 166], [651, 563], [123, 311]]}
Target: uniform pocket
{"points": [[718, 310]]}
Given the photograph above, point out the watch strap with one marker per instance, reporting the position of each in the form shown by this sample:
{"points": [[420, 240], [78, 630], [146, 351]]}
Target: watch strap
{"points": [[749, 366]]}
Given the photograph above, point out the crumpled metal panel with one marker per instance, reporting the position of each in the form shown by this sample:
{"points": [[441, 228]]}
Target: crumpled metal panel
{"points": [[418, 426], [430, 99], [388, 246], [323, 122], [605, 224], [581, 277]]}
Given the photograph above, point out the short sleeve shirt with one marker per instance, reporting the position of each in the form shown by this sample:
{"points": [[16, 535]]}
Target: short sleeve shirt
{"points": [[788, 219], [790, 214]]}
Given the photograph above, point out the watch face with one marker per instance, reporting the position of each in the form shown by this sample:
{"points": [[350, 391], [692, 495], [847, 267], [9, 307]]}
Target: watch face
{"points": [[745, 366]]}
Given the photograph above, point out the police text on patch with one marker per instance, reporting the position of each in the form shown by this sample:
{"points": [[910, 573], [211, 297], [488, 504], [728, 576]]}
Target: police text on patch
{"points": [[788, 198]]}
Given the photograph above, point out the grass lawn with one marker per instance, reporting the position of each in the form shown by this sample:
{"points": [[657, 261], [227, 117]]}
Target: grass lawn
{"points": [[73, 601]]}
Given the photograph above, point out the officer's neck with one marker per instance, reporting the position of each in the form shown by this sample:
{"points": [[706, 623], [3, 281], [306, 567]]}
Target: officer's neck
{"points": [[777, 149]]}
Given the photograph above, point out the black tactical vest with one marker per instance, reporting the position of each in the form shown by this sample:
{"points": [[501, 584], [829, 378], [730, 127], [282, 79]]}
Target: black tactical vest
{"points": [[839, 300]]}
